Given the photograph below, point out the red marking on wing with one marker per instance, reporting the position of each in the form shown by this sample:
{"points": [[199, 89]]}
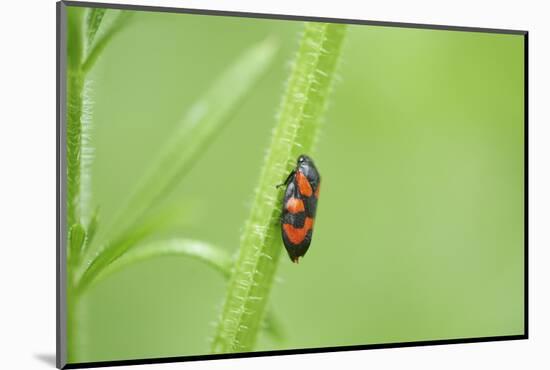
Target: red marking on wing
{"points": [[297, 235], [295, 205], [303, 184], [317, 190]]}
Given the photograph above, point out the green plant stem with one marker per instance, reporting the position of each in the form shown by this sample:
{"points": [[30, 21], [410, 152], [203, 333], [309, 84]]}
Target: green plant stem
{"points": [[73, 301], [75, 83], [302, 108], [79, 153], [75, 110], [74, 138]]}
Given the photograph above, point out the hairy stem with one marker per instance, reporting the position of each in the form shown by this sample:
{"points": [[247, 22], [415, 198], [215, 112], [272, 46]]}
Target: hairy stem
{"points": [[82, 51], [302, 109], [73, 324], [74, 138], [75, 83], [76, 232]]}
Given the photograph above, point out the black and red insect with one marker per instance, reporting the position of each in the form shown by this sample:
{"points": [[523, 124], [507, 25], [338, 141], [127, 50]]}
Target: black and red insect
{"points": [[299, 207]]}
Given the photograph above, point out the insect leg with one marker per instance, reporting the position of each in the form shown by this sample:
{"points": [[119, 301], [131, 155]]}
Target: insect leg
{"points": [[287, 179]]}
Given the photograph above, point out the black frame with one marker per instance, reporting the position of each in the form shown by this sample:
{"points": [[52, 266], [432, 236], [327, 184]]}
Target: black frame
{"points": [[60, 190]]}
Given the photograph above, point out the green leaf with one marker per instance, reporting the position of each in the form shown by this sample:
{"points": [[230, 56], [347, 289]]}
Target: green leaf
{"points": [[214, 257], [192, 137], [164, 218], [199, 126], [92, 227], [77, 236], [302, 111], [99, 42], [94, 16]]}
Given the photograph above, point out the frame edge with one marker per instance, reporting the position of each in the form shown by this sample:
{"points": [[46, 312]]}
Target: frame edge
{"points": [[61, 235]]}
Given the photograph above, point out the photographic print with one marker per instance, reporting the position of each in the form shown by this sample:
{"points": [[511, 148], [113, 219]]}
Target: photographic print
{"points": [[240, 184]]}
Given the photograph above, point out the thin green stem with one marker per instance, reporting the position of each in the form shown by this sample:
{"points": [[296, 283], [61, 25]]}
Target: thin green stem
{"points": [[302, 109], [73, 303], [74, 138], [75, 84], [75, 81], [81, 223]]}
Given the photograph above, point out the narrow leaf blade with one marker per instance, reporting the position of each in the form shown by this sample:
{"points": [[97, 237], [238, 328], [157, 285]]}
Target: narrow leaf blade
{"points": [[92, 227], [94, 16], [100, 41], [213, 257], [216, 258], [77, 235], [194, 134], [199, 126], [162, 219]]}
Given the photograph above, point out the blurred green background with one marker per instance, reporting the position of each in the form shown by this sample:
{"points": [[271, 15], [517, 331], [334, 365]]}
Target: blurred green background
{"points": [[419, 232]]}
